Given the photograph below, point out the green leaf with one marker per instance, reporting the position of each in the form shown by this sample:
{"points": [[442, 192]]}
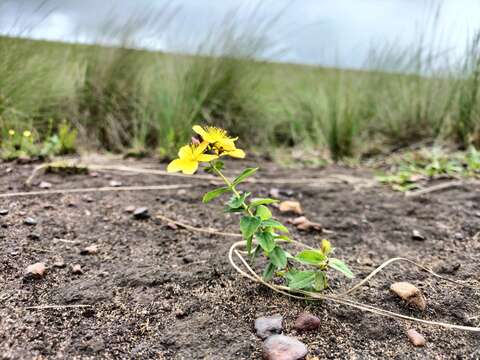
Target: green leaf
{"points": [[209, 196], [278, 257], [262, 201], [263, 212], [311, 257], [320, 281], [275, 225], [339, 265], [300, 279], [236, 202], [248, 227], [266, 241], [268, 272], [256, 252], [245, 174]]}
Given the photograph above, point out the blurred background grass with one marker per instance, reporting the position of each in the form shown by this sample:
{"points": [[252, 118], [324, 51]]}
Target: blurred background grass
{"points": [[124, 99]]}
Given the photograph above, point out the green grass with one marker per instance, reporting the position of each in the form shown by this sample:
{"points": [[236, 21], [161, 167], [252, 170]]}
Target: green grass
{"points": [[124, 100]]}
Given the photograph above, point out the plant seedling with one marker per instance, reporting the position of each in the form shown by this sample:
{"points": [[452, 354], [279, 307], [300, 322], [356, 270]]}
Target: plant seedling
{"points": [[262, 233]]}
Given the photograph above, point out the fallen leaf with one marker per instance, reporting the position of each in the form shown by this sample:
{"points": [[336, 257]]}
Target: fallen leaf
{"points": [[410, 293]]}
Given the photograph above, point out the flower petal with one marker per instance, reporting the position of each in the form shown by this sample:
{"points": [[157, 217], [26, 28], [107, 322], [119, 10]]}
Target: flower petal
{"points": [[175, 165], [185, 152], [226, 144], [207, 157], [198, 150], [200, 131], [189, 167], [237, 153]]}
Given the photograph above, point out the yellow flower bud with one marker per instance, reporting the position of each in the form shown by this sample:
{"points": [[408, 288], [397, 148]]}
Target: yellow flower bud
{"points": [[27, 133], [11, 132]]}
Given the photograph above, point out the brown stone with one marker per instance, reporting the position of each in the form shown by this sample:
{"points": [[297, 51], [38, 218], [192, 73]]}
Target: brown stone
{"points": [[416, 338], [307, 322], [410, 293], [281, 347], [290, 207], [36, 270]]}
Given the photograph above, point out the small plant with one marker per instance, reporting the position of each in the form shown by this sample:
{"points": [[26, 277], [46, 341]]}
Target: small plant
{"points": [[433, 164], [263, 235]]}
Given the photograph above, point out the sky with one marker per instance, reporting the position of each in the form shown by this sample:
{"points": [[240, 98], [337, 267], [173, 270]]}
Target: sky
{"points": [[339, 33]]}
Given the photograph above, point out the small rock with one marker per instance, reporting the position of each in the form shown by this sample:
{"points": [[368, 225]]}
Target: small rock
{"points": [[141, 213], [89, 250], [172, 226], [290, 207], [477, 214], [459, 236], [4, 212], [182, 192], [179, 313], [416, 235], [129, 209], [77, 269], [416, 338], [281, 347], [59, 263], [44, 185], [307, 322], [274, 192], [94, 174], [34, 236], [268, 325], [302, 223], [88, 199], [36, 270], [30, 221], [411, 294], [115, 183]]}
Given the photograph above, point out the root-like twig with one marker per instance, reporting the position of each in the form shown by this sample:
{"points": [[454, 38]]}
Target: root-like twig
{"points": [[101, 189], [438, 187], [339, 298], [45, 307]]}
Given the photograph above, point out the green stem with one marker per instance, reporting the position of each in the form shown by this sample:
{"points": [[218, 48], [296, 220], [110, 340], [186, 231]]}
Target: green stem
{"points": [[232, 187]]}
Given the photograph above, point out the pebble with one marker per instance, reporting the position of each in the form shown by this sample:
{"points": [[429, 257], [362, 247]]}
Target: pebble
{"points": [[115, 183], [416, 235], [44, 185], [30, 221], [411, 294], [59, 263], [34, 237], [416, 338], [129, 209], [89, 250], [290, 207], [302, 223], [141, 213], [172, 226], [266, 326], [77, 269], [281, 347], [459, 236], [4, 212], [36, 270], [307, 322]]}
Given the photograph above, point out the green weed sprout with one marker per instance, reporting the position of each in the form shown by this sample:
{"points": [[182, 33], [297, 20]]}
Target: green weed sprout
{"points": [[263, 235]]}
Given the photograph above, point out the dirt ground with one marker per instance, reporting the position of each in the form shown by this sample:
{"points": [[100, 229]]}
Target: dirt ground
{"points": [[163, 293]]}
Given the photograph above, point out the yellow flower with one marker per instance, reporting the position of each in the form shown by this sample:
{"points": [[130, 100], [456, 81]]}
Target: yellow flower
{"points": [[188, 158], [11, 132], [27, 133], [220, 141]]}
